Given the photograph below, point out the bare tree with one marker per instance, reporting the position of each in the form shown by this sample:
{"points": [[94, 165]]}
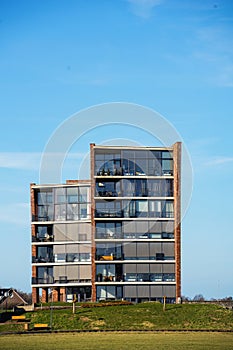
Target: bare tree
{"points": [[199, 297]]}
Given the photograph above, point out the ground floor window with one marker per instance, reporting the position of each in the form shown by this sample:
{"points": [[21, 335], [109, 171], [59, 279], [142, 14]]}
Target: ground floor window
{"points": [[79, 293], [109, 292]]}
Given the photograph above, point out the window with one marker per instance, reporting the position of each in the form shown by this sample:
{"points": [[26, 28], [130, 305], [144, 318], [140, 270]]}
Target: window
{"points": [[155, 209], [111, 230], [70, 203], [72, 195], [60, 195], [108, 251], [107, 292], [108, 209], [168, 209], [107, 164], [45, 197], [45, 275], [141, 208]]}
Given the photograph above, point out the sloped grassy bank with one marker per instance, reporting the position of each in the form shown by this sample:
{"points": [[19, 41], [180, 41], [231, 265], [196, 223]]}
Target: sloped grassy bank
{"points": [[145, 316]]}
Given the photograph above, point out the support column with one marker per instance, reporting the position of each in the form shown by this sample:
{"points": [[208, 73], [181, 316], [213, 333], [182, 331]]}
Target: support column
{"points": [[44, 298], [55, 294], [35, 295], [62, 296]]}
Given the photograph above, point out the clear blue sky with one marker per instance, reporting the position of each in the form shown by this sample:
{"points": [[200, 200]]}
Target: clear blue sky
{"points": [[174, 56]]}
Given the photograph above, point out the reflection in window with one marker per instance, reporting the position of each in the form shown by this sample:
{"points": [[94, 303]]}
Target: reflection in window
{"points": [[110, 230]]}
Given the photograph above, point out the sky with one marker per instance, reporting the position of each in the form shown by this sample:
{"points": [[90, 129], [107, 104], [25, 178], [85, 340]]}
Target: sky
{"points": [[172, 56]]}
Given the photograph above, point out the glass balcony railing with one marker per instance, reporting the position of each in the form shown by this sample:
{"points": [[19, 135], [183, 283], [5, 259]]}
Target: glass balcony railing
{"points": [[147, 277], [46, 238], [112, 278], [134, 235], [61, 280], [106, 213], [42, 259], [45, 280]]}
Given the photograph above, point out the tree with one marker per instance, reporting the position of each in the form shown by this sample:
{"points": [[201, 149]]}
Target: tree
{"points": [[26, 296], [199, 297]]}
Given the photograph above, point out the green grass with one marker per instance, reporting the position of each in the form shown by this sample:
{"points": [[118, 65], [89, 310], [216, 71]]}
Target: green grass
{"points": [[145, 316], [119, 341]]}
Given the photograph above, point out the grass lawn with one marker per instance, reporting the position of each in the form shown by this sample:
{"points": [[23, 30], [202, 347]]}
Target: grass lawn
{"points": [[145, 316], [144, 341]]}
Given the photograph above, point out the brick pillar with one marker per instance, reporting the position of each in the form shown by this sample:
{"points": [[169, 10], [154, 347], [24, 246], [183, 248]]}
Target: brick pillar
{"points": [[55, 294], [177, 214], [35, 295], [93, 268], [62, 294], [33, 202], [33, 271], [33, 252], [44, 298]]}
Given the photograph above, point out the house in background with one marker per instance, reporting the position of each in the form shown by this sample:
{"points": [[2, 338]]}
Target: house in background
{"points": [[10, 298], [115, 236]]}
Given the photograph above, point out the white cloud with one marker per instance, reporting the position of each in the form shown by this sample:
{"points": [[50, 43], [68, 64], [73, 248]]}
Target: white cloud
{"points": [[219, 161], [143, 8], [18, 160], [27, 160]]}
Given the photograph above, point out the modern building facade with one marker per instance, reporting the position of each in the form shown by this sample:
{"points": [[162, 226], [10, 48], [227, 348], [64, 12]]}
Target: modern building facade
{"points": [[121, 239]]}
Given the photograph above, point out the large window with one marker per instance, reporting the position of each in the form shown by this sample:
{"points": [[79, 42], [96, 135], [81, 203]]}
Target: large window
{"points": [[110, 230], [133, 163], [45, 210], [44, 275], [107, 163], [108, 251], [108, 209], [148, 208], [44, 254], [108, 292], [63, 203], [108, 189], [44, 233], [148, 251], [149, 272]]}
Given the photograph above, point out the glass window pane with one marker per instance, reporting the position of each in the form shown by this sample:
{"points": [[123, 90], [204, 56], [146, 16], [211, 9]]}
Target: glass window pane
{"points": [[83, 194], [83, 211], [60, 212], [60, 195], [72, 195]]}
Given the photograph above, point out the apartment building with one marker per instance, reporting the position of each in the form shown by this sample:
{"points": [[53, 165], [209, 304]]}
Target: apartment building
{"points": [[115, 236]]}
